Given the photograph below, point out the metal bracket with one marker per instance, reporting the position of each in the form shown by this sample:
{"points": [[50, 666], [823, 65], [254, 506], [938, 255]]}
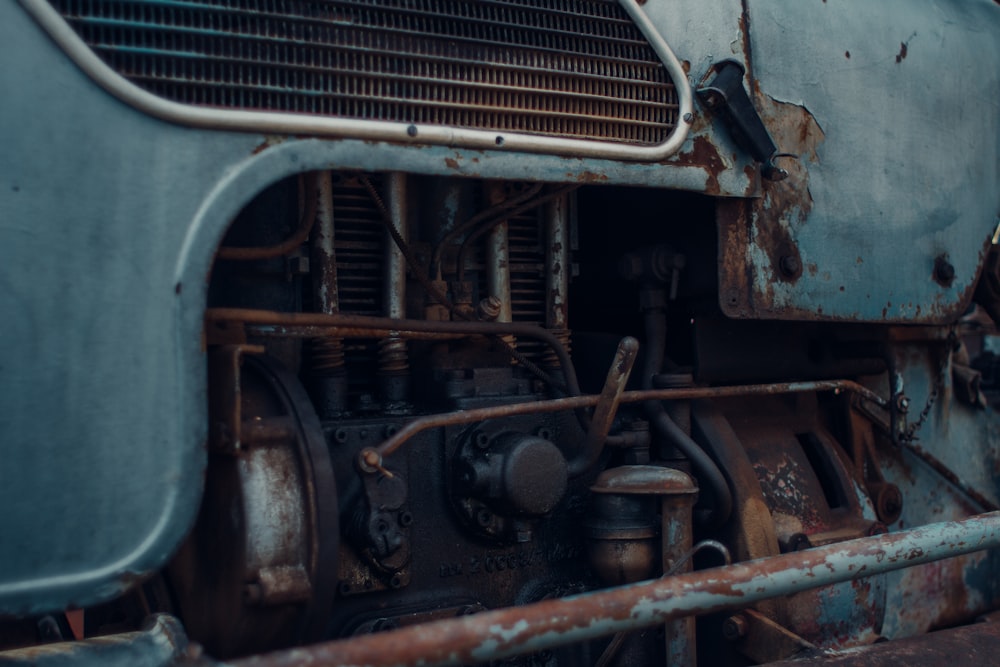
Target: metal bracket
{"points": [[726, 96]]}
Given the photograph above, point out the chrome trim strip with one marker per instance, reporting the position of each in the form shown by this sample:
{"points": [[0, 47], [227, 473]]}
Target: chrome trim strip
{"points": [[281, 123]]}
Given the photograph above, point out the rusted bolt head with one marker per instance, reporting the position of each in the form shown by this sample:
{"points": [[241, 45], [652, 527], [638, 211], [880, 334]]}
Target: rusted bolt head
{"points": [[902, 404], [734, 627], [790, 265], [889, 503]]}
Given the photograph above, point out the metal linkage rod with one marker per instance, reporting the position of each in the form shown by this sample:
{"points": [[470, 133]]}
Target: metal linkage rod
{"points": [[574, 402], [500, 634]]}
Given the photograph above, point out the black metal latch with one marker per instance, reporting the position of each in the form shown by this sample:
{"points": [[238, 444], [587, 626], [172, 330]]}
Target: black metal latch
{"points": [[726, 96]]}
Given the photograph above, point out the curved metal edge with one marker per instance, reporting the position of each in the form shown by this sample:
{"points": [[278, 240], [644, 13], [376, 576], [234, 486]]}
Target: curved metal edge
{"points": [[279, 123]]}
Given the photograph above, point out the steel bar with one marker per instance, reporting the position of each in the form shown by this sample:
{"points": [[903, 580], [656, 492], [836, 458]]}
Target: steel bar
{"points": [[574, 402], [496, 635], [333, 323]]}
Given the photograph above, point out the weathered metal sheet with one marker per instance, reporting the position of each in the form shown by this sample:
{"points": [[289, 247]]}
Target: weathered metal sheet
{"points": [[955, 434], [976, 644], [893, 198]]}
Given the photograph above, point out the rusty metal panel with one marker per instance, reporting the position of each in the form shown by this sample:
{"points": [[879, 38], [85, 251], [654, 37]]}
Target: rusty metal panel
{"points": [[976, 644], [949, 470], [891, 110]]}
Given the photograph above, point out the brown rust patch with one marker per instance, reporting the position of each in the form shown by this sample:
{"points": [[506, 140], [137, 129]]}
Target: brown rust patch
{"points": [[451, 163], [901, 56], [732, 218], [786, 204], [705, 155], [588, 177]]}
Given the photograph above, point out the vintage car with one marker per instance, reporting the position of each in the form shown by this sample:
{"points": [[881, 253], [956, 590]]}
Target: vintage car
{"points": [[513, 332]]}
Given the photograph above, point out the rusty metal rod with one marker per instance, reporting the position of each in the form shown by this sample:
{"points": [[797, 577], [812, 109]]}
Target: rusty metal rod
{"points": [[245, 253], [574, 402], [503, 633], [332, 323]]}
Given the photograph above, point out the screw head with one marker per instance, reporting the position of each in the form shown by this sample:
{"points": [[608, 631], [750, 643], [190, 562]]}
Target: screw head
{"points": [[790, 266], [734, 627]]}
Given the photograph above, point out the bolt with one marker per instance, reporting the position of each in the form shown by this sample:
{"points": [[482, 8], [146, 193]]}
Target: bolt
{"points": [[734, 627], [790, 266], [396, 581], [412, 130], [903, 404], [689, 118], [484, 518], [383, 624], [482, 440]]}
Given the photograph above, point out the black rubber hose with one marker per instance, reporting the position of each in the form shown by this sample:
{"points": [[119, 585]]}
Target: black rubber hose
{"points": [[662, 424]]}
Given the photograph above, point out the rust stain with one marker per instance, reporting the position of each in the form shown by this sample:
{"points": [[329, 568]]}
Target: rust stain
{"points": [[588, 177], [269, 140], [705, 155], [785, 205], [901, 56], [735, 280], [451, 163]]}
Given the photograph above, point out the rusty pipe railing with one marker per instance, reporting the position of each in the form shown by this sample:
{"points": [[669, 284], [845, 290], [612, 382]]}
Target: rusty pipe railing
{"points": [[496, 635]]}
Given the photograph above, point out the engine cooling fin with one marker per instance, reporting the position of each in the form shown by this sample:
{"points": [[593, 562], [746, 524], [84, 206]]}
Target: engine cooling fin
{"points": [[572, 69]]}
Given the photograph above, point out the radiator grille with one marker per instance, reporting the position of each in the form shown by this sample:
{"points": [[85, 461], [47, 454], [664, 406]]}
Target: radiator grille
{"points": [[565, 68]]}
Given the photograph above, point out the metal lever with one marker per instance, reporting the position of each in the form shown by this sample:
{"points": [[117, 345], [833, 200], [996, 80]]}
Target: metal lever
{"points": [[614, 385], [726, 96]]}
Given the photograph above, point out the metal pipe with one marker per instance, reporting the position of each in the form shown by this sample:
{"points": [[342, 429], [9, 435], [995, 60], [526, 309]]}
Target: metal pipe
{"points": [[324, 257], [485, 227], [160, 643], [575, 402], [497, 262], [268, 322], [298, 237], [503, 633], [329, 381], [676, 534], [557, 269], [393, 358]]}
